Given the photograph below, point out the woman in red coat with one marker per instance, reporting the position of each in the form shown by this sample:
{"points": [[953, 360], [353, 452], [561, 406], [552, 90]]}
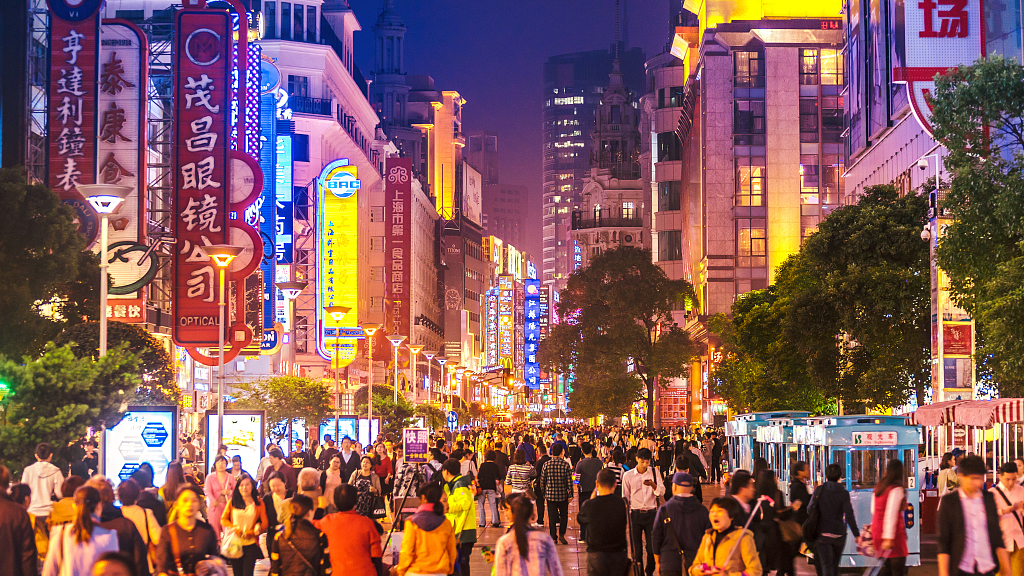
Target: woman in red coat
{"points": [[887, 526]]}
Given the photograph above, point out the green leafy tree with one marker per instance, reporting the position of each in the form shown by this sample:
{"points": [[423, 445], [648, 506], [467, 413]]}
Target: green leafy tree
{"points": [[978, 116], [157, 386], [285, 399], [393, 416], [56, 397], [618, 312], [433, 417], [49, 280]]}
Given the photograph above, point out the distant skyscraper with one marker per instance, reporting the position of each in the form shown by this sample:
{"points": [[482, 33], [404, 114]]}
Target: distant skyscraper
{"points": [[504, 205], [573, 85]]}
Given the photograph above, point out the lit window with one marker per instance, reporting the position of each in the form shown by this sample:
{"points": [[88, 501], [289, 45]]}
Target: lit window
{"points": [[750, 179]]}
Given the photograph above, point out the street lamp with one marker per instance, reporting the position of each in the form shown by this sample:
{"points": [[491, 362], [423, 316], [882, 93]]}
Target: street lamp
{"points": [[396, 341], [430, 375], [441, 360], [222, 255], [370, 330], [291, 291], [460, 370], [415, 349], [337, 313], [104, 199]]}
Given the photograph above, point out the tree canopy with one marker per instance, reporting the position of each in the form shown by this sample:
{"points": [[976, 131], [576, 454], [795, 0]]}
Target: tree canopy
{"points": [[618, 336], [285, 398]]}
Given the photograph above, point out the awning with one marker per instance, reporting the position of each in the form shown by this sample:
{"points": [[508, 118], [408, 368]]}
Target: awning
{"points": [[935, 414], [985, 413]]}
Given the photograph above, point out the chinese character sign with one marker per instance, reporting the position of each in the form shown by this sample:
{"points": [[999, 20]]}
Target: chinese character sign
{"points": [[121, 144], [337, 267], [398, 206], [200, 170], [506, 308], [491, 327], [74, 38], [940, 34], [531, 331]]}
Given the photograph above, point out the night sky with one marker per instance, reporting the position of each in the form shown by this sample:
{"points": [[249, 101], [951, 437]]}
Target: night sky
{"points": [[492, 52]]}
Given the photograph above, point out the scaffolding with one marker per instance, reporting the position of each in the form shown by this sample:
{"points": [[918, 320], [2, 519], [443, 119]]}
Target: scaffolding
{"points": [[37, 88]]}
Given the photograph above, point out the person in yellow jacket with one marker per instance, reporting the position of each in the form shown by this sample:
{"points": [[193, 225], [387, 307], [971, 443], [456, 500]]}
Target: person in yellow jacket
{"points": [[461, 507], [428, 545], [715, 555]]}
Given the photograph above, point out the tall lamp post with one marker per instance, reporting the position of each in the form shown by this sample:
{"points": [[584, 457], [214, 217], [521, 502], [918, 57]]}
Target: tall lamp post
{"points": [[291, 291], [370, 330], [337, 313], [441, 360], [222, 255], [104, 199], [415, 349], [396, 341], [460, 370], [430, 375]]}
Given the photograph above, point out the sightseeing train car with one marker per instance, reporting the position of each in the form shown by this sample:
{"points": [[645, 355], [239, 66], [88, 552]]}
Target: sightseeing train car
{"points": [[743, 443], [861, 445]]}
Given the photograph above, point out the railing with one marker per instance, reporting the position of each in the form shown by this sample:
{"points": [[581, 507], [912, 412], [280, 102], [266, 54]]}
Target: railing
{"points": [[579, 222], [307, 105]]}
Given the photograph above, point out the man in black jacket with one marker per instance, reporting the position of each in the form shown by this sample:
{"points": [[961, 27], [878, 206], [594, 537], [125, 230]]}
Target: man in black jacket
{"points": [[831, 509], [681, 522], [605, 515], [970, 540]]}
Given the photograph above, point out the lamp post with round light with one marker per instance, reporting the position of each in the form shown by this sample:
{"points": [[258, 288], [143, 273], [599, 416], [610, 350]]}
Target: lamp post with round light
{"points": [[222, 255], [370, 329], [337, 313], [396, 341], [104, 199], [415, 349], [430, 375], [291, 291]]}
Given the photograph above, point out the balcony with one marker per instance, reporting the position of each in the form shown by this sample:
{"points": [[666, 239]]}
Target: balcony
{"points": [[586, 220], [307, 105]]}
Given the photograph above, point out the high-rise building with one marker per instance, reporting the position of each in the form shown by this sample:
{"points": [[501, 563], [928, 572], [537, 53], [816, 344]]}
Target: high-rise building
{"points": [[505, 205], [573, 85]]}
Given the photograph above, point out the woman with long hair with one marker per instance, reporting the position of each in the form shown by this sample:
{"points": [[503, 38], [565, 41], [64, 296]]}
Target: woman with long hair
{"points": [[760, 465], [185, 541], [367, 483], [767, 536], [329, 480], [248, 518], [144, 520], [75, 547], [297, 546], [524, 551], [219, 486], [276, 502], [948, 480], [799, 499], [175, 479], [517, 479], [887, 526], [428, 546]]}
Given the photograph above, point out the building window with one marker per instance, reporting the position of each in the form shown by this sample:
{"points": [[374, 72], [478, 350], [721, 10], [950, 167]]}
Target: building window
{"points": [[286, 20], [669, 147], [270, 17], [670, 245], [750, 181], [831, 119], [832, 67], [311, 24], [297, 32], [748, 70], [675, 98], [832, 178], [300, 147], [298, 85], [809, 67], [616, 115], [376, 213], [808, 178], [669, 195], [748, 122], [628, 210], [752, 243], [809, 119], [376, 274], [376, 243], [661, 97]]}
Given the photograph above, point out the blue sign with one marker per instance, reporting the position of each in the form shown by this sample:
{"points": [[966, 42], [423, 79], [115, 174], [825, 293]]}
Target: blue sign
{"points": [[267, 206], [453, 420], [127, 470], [154, 434], [531, 333], [269, 341], [283, 192]]}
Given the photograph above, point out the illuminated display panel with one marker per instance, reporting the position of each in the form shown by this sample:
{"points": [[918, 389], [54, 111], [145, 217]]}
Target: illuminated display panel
{"points": [[337, 266]]}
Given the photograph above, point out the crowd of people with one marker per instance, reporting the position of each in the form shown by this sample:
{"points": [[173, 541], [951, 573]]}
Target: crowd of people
{"points": [[323, 510]]}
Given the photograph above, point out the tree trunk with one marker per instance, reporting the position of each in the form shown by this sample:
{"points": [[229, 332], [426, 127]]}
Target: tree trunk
{"points": [[649, 384]]}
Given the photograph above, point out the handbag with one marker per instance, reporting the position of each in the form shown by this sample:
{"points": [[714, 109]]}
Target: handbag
{"points": [[791, 530], [810, 525], [379, 510], [866, 542], [231, 544]]}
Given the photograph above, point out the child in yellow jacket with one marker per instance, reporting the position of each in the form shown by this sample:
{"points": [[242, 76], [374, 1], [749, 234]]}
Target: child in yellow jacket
{"points": [[428, 545]]}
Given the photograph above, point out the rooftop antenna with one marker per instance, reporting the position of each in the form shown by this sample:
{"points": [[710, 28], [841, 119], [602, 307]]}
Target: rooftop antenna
{"points": [[616, 29]]}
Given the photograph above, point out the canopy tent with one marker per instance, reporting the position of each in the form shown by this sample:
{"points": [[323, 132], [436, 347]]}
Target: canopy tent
{"points": [[987, 413], [935, 414]]}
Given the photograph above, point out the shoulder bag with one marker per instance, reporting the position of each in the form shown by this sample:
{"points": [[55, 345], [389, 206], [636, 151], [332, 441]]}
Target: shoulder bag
{"points": [[297, 553], [810, 526], [1008, 503]]}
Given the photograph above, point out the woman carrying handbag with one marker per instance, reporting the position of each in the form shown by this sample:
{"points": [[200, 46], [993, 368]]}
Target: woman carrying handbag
{"points": [[243, 521], [298, 548]]}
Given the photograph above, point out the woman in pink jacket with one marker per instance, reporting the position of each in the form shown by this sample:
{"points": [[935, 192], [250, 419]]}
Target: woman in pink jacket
{"points": [[219, 486]]}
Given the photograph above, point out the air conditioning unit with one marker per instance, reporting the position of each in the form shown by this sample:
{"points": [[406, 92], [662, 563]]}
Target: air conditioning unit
{"points": [[627, 238]]}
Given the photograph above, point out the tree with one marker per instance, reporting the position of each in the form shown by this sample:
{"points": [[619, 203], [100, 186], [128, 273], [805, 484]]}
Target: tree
{"points": [[156, 369], [618, 313], [433, 417], [978, 116], [49, 280], [286, 398], [56, 397], [393, 416]]}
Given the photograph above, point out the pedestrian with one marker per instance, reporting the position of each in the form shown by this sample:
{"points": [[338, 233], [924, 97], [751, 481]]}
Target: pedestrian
{"points": [[327, 451], [129, 540], [716, 458], [618, 459], [741, 489], [605, 516], [460, 510], [17, 535], [114, 564], [520, 474], [247, 518], [490, 489], [679, 527], [716, 552], [330, 479], [297, 548], [149, 498], [185, 541], [683, 465], [276, 503], [144, 520], [947, 481], [970, 540], [261, 468], [174, 479], [349, 458], [45, 480], [796, 513], [767, 535], [524, 551], [527, 447], [278, 464], [299, 458], [586, 470], [887, 524], [236, 467], [542, 459], [428, 543], [1009, 497], [75, 547], [641, 488], [829, 514], [218, 487], [353, 539], [367, 483], [556, 483]]}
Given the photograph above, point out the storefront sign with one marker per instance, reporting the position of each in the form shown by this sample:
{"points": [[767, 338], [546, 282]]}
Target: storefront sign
{"points": [[398, 210], [337, 232]]}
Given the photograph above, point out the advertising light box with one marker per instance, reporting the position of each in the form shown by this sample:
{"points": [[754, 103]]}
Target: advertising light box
{"points": [[243, 435], [145, 434]]}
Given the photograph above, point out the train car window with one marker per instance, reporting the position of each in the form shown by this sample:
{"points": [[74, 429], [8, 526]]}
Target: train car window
{"points": [[839, 457], [868, 466]]}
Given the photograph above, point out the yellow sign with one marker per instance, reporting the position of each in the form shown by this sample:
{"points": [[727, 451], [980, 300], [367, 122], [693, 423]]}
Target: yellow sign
{"points": [[337, 232]]}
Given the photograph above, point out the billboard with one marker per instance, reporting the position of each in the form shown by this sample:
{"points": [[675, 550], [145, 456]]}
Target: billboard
{"points": [[531, 333], [263, 213], [144, 434], [203, 73], [506, 331], [337, 218], [491, 327], [243, 435], [398, 209], [472, 196]]}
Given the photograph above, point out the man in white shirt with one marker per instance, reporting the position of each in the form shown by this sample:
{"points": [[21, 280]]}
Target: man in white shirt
{"points": [[1009, 497], [641, 487], [45, 480]]}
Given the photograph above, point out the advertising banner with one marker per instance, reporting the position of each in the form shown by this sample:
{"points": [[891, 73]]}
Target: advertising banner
{"points": [[472, 195], [244, 432], [506, 331], [417, 445], [74, 39], [144, 434], [531, 332], [203, 71], [337, 232], [398, 209], [491, 327]]}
